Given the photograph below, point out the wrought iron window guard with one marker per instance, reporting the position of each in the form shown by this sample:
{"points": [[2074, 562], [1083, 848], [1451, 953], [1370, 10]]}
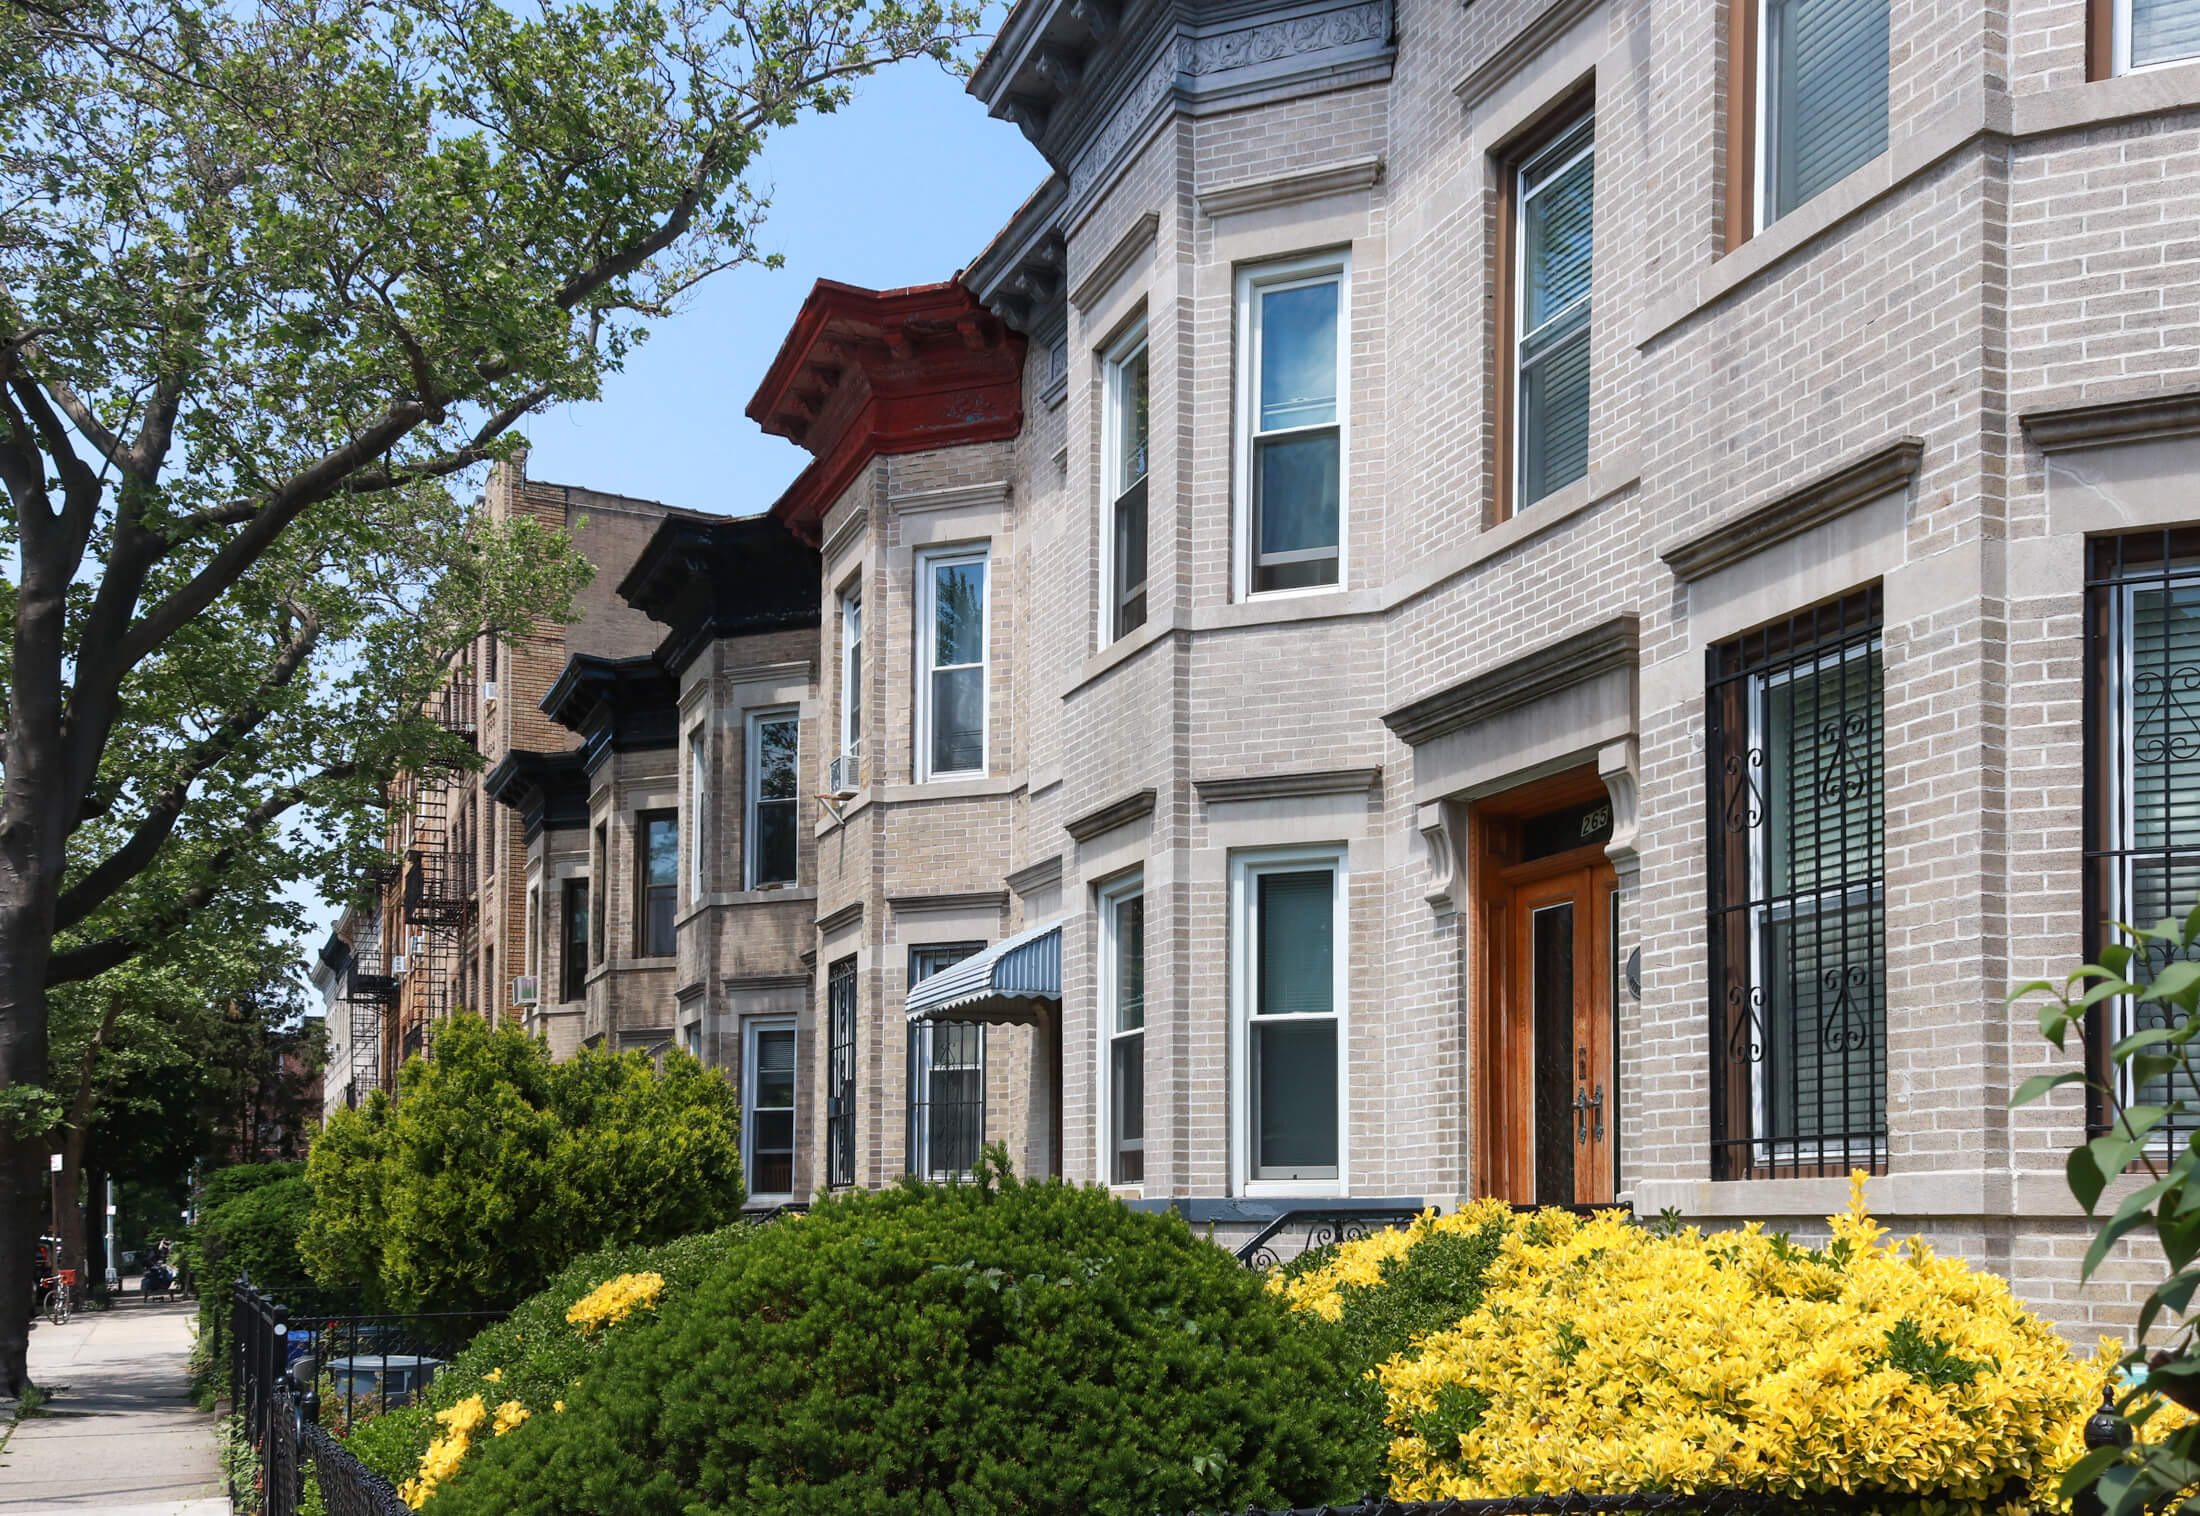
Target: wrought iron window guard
{"points": [[1324, 1225]]}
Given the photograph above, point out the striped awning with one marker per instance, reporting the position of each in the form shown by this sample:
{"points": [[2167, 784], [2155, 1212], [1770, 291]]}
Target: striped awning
{"points": [[1015, 982]]}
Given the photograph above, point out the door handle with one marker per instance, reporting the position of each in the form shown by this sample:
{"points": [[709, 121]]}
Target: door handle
{"points": [[1581, 1114], [1597, 1105]]}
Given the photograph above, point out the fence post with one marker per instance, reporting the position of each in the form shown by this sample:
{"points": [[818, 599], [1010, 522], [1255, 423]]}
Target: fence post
{"points": [[2105, 1428]]}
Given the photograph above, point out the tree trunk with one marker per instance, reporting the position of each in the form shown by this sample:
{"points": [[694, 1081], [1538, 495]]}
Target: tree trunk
{"points": [[25, 942]]}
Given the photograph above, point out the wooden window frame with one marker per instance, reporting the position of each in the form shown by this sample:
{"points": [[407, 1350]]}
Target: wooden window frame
{"points": [[1744, 21], [1560, 117]]}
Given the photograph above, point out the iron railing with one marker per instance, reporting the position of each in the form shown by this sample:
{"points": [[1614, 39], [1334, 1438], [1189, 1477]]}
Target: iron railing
{"points": [[1324, 1226]]}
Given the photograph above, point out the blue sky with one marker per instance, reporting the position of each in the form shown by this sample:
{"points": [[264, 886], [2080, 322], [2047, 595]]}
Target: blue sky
{"points": [[905, 186]]}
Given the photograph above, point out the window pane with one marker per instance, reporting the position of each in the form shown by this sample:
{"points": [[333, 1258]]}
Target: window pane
{"points": [[1130, 964], [1130, 559], [1295, 494], [775, 759], [662, 841], [2164, 699], [1130, 461], [1554, 411], [2163, 31], [1556, 236], [1298, 357], [1825, 1070], [1823, 737], [1127, 1101], [1829, 93], [663, 906], [958, 720], [1297, 963], [774, 1073], [958, 614], [775, 842], [1295, 1096]]}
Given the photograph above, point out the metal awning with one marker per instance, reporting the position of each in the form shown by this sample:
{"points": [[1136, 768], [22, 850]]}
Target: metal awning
{"points": [[1015, 982]]}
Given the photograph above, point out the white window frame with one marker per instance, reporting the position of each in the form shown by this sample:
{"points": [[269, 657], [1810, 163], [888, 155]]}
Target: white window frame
{"points": [[1246, 868], [1115, 360], [1252, 281], [1107, 900], [698, 827], [928, 563], [750, 1028], [850, 732], [1520, 331], [749, 829], [2120, 48], [532, 934]]}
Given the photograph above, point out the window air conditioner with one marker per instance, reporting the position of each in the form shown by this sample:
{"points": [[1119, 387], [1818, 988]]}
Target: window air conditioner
{"points": [[400, 965], [526, 990], [417, 944], [845, 776], [488, 689]]}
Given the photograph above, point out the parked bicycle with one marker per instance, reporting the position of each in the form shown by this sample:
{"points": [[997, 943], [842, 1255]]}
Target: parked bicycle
{"points": [[56, 1295]]}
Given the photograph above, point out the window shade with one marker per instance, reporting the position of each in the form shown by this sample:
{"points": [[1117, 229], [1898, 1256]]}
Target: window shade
{"points": [[1828, 86], [1296, 953], [1557, 228], [2164, 31]]}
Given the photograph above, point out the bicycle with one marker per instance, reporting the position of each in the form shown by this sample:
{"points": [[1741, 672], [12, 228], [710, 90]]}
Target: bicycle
{"points": [[58, 1289]]}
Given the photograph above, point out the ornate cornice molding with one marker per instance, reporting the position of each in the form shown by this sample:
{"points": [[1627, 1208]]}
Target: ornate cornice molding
{"points": [[1573, 659], [1112, 815], [1729, 539], [1032, 877], [966, 900], [1116, 262], [1241, 787], [993, 494], [1289, 189], [847, 915], [2105, 423]]}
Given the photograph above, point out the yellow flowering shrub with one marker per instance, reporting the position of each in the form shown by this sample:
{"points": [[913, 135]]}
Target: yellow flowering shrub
{"points": [[614, 1299], [1359, 1263]]}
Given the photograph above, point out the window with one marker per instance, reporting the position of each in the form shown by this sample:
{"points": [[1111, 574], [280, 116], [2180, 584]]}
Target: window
{"points": [[1807, 102], [2142, 774], [1798, 896], [767, 1105], [951, 721], [1288, 998], [2151, 33], [946, 1079], [530, 930], [599, 863], [1123, 1030], [574, 937], [1293, 333], [840, 1073], [850, 776], [699, 817], [658, 879], [773, 739], [1554, 222], [1126, 428]]}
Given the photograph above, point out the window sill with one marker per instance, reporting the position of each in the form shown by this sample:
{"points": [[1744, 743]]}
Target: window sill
{"points": [[1947, 1194], [2172, 86], [1622, 471], [1281, 607], [980, 786], [763, 896]]}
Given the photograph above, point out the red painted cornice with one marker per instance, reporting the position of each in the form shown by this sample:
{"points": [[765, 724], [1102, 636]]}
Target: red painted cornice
{"points": [[867, 372]]}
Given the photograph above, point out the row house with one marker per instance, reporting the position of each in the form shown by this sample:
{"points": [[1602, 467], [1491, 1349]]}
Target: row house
{"points": [[1544, 598]]}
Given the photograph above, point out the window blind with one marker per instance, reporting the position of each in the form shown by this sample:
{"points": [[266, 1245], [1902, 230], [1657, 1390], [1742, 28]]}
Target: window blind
{"points": [[1828, 85], [1557, 221], [1296, 953], [2164, 31]]}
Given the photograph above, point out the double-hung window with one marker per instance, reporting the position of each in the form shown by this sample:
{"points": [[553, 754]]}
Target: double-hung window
{"points": [[599, 867], [840, 1073], [2152, 33], [1807, 102], [773, 743], [1555, 193], [946, 1087], [1288, 994], [657, 883], [847, 775], [767, 1108], [573, 940], [1293, 340], [1798, 896], [1126, 431], [1123, 1030], [698, 816], [951, 643], [2143, 774]]}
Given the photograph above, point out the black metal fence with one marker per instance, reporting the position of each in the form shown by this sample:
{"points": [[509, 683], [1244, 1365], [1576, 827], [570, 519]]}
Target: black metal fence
{"points": [[293, 1362]]}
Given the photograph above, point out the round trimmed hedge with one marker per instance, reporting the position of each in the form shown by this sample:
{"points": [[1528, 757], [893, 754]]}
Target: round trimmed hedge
{"points": [[992, 1346]]}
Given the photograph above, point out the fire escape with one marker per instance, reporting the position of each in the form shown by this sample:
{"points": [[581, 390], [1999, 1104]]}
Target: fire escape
{"points": [[437, 882], [370, 997]]}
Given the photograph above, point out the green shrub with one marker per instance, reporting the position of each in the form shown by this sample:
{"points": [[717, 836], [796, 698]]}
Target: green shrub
{"points": [[250, 1217], [391, 1443], [497, 1163], [972, 1348]]}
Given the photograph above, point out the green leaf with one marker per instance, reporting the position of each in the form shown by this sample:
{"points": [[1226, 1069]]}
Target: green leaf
{"points": [[2039, 1084], [2083, 1173]]}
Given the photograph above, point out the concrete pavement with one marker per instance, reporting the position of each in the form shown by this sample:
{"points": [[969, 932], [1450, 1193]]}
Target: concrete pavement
{"points": [[119, 1436]]}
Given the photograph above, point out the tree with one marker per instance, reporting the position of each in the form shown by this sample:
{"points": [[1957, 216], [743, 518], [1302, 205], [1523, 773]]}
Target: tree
{"points": [[274, 277], [496, 1168]]}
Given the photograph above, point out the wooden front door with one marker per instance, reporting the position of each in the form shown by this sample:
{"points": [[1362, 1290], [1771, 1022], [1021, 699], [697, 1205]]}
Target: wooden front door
{"points": [[1547, 1103]]}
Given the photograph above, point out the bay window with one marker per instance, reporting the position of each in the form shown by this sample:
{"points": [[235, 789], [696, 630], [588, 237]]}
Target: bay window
{"points": [[657, 883], [1125, 487], [1123, 1029], [1554, 203], [767, 1108], [847, 775], [840, 1073], [946, 1079], [951, 640], [1288, 1001], [1293, 338], [773, 742]]}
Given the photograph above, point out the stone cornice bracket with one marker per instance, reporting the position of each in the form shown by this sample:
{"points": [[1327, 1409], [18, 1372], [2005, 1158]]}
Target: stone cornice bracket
{"points": [[1443, 841], [1112, 815], [2143, 418], [1289, 189], [1516, 51], [1729, 539], [1242, 787], [847, 915], [1619, 765], [1116, 262], [1573, 659], [1033, 877]]}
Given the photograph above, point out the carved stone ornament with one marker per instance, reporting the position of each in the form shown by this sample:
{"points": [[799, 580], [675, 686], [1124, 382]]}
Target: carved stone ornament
{"points": [[1619, 765], [1443, 842]]}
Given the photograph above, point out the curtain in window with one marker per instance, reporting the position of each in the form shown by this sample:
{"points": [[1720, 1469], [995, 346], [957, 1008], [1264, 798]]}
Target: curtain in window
{"points": [[2164, 31], [1827, 81], [1557, 222]]}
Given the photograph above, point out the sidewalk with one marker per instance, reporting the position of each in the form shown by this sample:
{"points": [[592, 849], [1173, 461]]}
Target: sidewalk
{"points": [[119, 1436]]}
